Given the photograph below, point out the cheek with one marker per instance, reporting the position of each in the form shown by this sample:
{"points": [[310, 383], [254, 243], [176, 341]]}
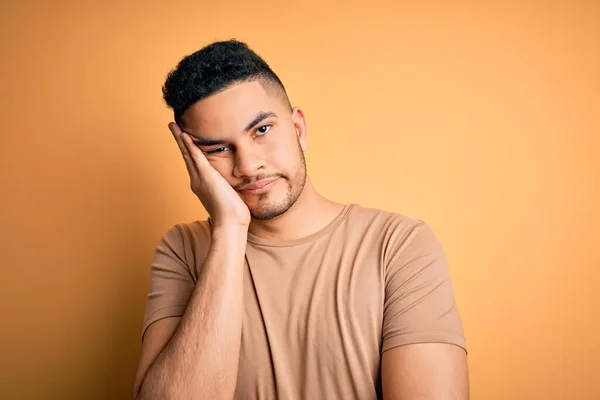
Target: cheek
{"points": [[284, 155], [224, 166]]}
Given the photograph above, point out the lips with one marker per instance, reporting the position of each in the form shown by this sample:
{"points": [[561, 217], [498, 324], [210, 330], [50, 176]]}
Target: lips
{"points": [[259, 186]]}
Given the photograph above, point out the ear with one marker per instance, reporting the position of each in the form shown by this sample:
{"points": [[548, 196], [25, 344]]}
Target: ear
{"points": [[299, 122]]}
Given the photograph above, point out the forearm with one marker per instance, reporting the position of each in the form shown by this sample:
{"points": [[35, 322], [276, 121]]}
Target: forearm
{"points": [[201, 359]]}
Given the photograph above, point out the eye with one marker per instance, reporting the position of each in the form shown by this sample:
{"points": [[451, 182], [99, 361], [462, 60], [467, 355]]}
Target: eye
{"points": [[217, 150], [263, 129]]}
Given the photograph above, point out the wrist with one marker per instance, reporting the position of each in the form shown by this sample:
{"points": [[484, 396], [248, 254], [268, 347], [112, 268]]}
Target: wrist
{"points": [[226, 224]]}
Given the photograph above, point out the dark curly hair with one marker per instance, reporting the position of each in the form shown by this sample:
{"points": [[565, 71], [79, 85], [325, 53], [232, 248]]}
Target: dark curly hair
{"points": [[215, 68]]}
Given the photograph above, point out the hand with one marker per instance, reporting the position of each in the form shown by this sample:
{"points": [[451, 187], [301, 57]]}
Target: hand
{"points": [[222, 202]]}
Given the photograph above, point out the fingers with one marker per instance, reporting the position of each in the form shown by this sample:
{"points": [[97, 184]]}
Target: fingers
{"points": [[189, 162], [198, 157]]}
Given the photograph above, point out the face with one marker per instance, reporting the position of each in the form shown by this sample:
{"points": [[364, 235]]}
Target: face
{"points": [[253, 139]]}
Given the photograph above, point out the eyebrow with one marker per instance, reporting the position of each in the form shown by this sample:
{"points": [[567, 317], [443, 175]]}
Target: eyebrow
{"points": [[207, 142], [261, 116]]}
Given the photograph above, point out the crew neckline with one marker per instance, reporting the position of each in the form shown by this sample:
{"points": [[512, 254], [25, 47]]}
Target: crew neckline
{"points": [[294, 242]]}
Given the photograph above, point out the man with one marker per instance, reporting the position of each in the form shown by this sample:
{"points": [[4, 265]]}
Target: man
{"points": [[282, 293]]}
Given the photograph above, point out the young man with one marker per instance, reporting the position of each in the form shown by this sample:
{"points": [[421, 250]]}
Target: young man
{"points": [[282, 293]]}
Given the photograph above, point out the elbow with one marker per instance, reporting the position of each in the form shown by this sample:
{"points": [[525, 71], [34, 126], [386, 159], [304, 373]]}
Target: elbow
{"points": [[137, 393]]}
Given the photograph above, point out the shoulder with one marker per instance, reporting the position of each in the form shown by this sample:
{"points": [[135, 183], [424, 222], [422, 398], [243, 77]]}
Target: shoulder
{"points": [[188, 234], [387, 222], [188, 241], [195, 232], [397, 232]]}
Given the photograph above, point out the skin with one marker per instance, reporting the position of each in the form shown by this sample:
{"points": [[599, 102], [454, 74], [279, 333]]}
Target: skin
{"points": [[273, 147], [244, 136]]}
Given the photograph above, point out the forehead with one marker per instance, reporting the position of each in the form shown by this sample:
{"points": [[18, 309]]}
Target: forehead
{"points": [[230, 110]]}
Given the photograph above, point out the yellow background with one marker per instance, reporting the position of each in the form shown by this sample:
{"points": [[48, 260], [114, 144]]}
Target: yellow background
{"points": [[482, 119]]}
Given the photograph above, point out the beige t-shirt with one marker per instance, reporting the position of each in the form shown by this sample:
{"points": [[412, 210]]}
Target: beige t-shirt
{"points": [[320, 311]]}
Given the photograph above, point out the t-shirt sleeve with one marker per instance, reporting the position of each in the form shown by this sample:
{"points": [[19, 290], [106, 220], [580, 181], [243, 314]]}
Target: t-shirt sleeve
{"points": [[419, 305], [171, 282]]}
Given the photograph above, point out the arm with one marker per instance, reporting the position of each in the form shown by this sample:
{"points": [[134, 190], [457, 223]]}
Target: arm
{"points": [[425, 371], [196, 356], [423, 352]]}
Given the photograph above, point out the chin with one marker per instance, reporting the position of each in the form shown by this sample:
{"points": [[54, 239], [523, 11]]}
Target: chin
{"points": [[267, 215], [265, 210], [277, 202], [266, 207]]}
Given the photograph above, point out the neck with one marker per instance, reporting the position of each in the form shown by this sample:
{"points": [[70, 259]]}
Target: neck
{"points": [[310, 213]]}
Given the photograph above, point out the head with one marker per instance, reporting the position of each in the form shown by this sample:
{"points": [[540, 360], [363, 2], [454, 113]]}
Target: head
{"points": [[238, 113]]}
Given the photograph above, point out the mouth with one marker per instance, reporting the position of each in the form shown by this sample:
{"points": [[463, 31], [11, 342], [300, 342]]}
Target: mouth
{"points": [[259, 187]]}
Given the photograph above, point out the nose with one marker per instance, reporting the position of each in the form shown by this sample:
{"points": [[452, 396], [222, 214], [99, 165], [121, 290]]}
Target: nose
{"points": [[248, 161]]}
